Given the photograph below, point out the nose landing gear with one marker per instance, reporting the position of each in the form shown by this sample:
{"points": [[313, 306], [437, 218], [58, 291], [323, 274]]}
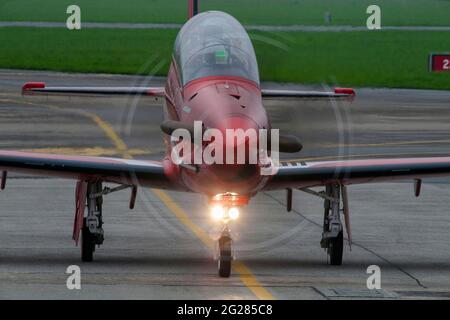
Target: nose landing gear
{"points": [[225, 207], [225, 253]]}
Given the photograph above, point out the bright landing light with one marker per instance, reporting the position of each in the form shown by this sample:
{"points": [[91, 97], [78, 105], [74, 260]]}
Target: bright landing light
{"points": [[218, 212], [233, 213]]}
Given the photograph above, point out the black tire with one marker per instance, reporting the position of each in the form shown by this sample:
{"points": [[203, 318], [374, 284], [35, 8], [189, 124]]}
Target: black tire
{"points": [[224, 261], [87, 244], [336, 249], [327, 207]]}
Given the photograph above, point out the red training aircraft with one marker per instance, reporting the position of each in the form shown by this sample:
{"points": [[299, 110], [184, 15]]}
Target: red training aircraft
{"points": [[214, 78]]}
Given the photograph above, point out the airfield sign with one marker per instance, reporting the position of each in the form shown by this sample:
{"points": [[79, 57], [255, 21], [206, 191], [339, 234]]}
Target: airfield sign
{"points": [[439, 62]]}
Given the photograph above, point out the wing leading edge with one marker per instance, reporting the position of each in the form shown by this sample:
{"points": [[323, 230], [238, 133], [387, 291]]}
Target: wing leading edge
{"points": [[338, 93], [303, 175], [39, 88], [122, 171]]}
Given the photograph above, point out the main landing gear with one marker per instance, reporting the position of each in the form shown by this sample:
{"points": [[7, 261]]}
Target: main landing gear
{"points": [[333, 231], [90, 194], [332, 235], [92, 232]]}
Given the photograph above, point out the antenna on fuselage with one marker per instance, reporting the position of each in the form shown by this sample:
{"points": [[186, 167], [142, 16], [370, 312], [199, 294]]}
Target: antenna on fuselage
{"points": [[193, 8]]}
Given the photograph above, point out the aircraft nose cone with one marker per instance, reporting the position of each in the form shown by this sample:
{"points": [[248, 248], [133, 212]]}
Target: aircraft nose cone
{"points": [[240, 145]]}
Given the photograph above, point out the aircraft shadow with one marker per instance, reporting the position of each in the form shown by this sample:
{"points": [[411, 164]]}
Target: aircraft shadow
{"points": [[184, 261]]}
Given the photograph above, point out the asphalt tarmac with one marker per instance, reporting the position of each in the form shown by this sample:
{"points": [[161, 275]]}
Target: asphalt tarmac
{"points": [[162, 249]]}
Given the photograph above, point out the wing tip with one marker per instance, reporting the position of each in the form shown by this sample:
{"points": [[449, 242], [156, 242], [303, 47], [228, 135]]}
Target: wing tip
{"points": [[28, 87], [347, 91], [156, 92]]}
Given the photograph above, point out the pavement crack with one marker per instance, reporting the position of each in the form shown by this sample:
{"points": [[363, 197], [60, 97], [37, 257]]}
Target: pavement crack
{"points": [[399, 268]]}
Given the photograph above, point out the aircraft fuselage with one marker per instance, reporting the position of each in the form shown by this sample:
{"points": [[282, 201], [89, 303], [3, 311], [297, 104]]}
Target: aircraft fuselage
{"points": [[220, 102]]}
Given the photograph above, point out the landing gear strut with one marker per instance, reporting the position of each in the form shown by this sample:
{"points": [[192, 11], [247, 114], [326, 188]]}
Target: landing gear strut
{"points": [[225, 208], [332, 235], [92, 233], [225, 253], [87, 244], [91, 226]]}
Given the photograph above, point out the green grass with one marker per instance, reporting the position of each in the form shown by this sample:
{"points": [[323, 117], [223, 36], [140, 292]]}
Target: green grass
{"points": [[310, 12], [380, 59], [396, 59]]}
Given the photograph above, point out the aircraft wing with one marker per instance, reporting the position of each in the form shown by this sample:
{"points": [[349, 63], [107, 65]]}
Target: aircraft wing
{"points": [[39, 88], [337, 93], [121, 171], [311, 174]]}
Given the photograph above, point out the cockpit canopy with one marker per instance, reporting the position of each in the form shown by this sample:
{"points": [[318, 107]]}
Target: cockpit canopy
{"points": [[213, 43]]}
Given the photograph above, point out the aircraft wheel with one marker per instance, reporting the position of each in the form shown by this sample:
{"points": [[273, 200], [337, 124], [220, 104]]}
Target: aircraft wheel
{"points": [[335, 249], [87, 244], [224, 261]]}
